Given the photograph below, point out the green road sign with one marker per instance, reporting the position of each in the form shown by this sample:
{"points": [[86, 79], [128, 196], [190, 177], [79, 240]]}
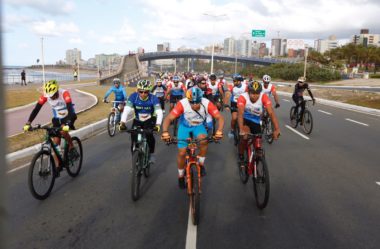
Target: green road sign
{"points": [[258, 33]]}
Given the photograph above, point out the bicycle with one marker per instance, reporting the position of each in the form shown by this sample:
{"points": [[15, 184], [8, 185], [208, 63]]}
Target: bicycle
{"points": [[140, 159], [255, 164], [114, 116], [43, 164], [193, 174], [307, 118], [267, 127]]}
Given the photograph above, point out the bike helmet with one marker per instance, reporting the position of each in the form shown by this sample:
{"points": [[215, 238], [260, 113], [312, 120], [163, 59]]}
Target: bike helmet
{"points": [[212, 77], [237, 77], [50, 88], [176, 78], [116, 81], [194, 95], [221, 76], [266, 79], [301, 79], [158, 80], [255, 87], [144, 85]]}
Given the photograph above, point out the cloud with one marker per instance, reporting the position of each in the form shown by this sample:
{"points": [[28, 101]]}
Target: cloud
{"points": [[11, 21], [50, 28], [76, 41], [23, 45], [56, 7], [107, 40]]}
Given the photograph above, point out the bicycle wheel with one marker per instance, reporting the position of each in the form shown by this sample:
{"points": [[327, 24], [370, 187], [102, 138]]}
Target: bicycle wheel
{"points": [[243, 168], [146, 161], [293, 117], [41, 175], [195, 195], [236, 135], [74, 163], [261, 183], [111, 124], [307, 121], [268, 131], [136, 175]]}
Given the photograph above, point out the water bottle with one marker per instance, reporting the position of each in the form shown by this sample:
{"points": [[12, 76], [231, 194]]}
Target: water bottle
{"points": [[58, 149]]}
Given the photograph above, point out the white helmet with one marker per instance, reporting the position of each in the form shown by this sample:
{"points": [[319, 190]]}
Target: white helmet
{"points": [[266, 79]]}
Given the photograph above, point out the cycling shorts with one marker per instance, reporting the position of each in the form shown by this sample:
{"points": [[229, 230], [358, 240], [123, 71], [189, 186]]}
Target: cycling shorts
{"points": [[255, 128], [184, 133], [58, 122], [233, 107], [175, 98]]}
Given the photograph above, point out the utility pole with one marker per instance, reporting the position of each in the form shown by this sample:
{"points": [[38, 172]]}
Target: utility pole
{"points": [[42, 60]]}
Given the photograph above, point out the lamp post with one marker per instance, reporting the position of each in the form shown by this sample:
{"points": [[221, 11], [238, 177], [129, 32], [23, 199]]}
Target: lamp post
{"points": [[213, 27], [304, 69], [42, 60]]}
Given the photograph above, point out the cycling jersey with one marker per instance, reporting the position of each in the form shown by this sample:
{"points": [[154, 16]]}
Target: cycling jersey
{"points": [[144, 109], [236, 91], [120, 93], [58, 105], [190, 83], [159, 91], [178, 90], [269, 90], [253, 111], [214, 88], [298, 89]]}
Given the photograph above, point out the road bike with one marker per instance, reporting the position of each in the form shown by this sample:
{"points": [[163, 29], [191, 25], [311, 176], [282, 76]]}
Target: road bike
{"points": [[193, 174], [43, 171], [255, 165], [114, 116], [307, 118], [267, 127], [140, 159]]}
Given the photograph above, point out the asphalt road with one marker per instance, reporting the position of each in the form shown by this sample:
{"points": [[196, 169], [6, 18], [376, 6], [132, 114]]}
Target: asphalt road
{"points": [[325, 193]]}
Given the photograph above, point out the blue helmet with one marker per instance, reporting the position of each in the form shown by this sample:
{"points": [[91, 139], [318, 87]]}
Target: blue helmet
{"points": [[194, 95], [176, 78], [237, 77]]}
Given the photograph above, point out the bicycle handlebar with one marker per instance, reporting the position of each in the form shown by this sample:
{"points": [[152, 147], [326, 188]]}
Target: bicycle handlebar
{"points": [[141, 130], [193, 140]]}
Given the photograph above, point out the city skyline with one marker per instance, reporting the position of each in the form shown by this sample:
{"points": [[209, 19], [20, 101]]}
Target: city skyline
{"points": [[109, 27]]}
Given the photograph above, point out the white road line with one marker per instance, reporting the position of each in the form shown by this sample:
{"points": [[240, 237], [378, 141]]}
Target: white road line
{"points": [[18, 168], [286, 100], [378, 183], [325, 112], [354, 121], [101, 133], [297, 132], [191, 236]]}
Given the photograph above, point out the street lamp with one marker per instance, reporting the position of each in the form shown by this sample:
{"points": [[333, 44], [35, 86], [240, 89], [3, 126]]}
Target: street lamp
{"points": [[306, 53], [213, 28], [42, 60]]}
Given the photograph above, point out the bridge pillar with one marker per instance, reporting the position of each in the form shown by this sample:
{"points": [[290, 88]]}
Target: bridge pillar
{"points": [[192, 63]]}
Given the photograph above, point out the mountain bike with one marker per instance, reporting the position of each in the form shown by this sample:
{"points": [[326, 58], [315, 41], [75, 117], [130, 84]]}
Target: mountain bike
{"points": [[193, 174], [307, 118], [140, 159], [255, 165], [43, 171], [114, 116], [267, 127]]}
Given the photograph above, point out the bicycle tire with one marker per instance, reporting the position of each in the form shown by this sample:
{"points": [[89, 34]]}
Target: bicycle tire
{"points": [[261, 184], [243, 169], [195, 195], [111, 124], [236, 135], [70, 166], [268, 131], [307, 122], [146, 170], [293, 117], [136, 175], [48, 171]]}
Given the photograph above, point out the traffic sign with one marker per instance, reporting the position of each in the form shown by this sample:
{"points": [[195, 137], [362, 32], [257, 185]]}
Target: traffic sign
{"points": [[258, 33]]}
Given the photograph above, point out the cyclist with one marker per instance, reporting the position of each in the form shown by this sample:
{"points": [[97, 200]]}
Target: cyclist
{"points": [[216, 91], [270, 89], [176, 90], [192, 111], [190, 82], [202, 84], [159, 90], [234, 91], [120, 94], [250, 108], [148, 113], [63, 114], [297, 96]]}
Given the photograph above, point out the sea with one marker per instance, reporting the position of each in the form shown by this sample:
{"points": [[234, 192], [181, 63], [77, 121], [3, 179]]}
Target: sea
{"points": [[12, 75]]}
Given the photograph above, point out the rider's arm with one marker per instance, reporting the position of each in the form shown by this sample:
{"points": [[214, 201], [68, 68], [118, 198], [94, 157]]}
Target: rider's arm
{"points": [[70, 107], [157, 110], [168, 92], [41, 101], [309, 91], [108, 92], [124, 93], [268, 105], [128, 108], [241, 102], [214, 112], [273, 90], [175, 113]]}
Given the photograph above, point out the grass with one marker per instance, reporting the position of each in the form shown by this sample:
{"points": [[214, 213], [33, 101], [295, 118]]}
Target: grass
{"points": [[98, 112]]}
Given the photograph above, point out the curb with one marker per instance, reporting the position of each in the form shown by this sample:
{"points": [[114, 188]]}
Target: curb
{"points": [[361, 109]]}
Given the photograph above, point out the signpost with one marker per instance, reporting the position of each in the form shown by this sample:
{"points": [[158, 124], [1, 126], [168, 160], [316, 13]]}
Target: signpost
{"points": [[258, 33]]}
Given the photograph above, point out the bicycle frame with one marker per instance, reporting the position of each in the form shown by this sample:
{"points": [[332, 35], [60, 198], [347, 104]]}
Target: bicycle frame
{"points": [[192, 159], [49, 145], [254, 143]]}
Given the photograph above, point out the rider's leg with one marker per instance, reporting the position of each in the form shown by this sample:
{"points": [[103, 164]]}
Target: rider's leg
{"points": [[233, 120], [303, 104], [243, 143]]}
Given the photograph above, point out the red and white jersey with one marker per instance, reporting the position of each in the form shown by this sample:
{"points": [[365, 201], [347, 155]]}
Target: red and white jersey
{"points": [[189, 117], [214, 88], [269, 90], [165, 82], [237, 91], [176, 90], [59, 105], [253, 111]]}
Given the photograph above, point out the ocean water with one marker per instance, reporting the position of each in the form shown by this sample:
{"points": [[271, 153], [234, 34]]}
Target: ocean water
{"points": [[12, 75]]}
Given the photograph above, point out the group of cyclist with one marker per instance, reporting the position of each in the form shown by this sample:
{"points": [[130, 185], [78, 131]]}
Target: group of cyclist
{"points": [[195, 100]]}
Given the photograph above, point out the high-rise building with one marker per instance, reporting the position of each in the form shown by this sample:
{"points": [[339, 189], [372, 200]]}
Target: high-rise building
{"points": [[164, 47], [322, 46], [73, 56], [263, 50], [229, 46], [276, 47], [244, 47], [104, 60], [366, 39]]}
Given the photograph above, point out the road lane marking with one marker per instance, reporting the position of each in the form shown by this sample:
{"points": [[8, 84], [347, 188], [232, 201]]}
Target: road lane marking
{"points": [[18, 168], [286, 100], [297, 132], [378, 183], [325, 112], [191, 236], [354, 121]]}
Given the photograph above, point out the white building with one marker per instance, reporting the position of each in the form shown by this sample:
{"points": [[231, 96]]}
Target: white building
{"points": [[229, 46], [322, 46], [366, 39], [244, 47], [73, 56]]}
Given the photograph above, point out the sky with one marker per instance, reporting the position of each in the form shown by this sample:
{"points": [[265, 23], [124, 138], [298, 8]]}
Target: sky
{"points": [[119, 26]]}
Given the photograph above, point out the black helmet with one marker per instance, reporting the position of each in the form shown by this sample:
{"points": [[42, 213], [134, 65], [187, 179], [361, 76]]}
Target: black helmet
{"points": [[212, 77], [255, 87]]}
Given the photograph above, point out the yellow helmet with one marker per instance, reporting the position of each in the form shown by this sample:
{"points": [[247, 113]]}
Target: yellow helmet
{"points": [[50, 88]]}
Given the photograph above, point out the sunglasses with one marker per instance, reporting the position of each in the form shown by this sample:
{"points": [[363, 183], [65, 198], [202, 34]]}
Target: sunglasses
{"points": [[203, 83], [194, 102], [146, 92]]}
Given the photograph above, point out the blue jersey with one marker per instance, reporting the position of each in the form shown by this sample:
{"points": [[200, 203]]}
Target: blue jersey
{"points": [[144, 109], [120, 93]]}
